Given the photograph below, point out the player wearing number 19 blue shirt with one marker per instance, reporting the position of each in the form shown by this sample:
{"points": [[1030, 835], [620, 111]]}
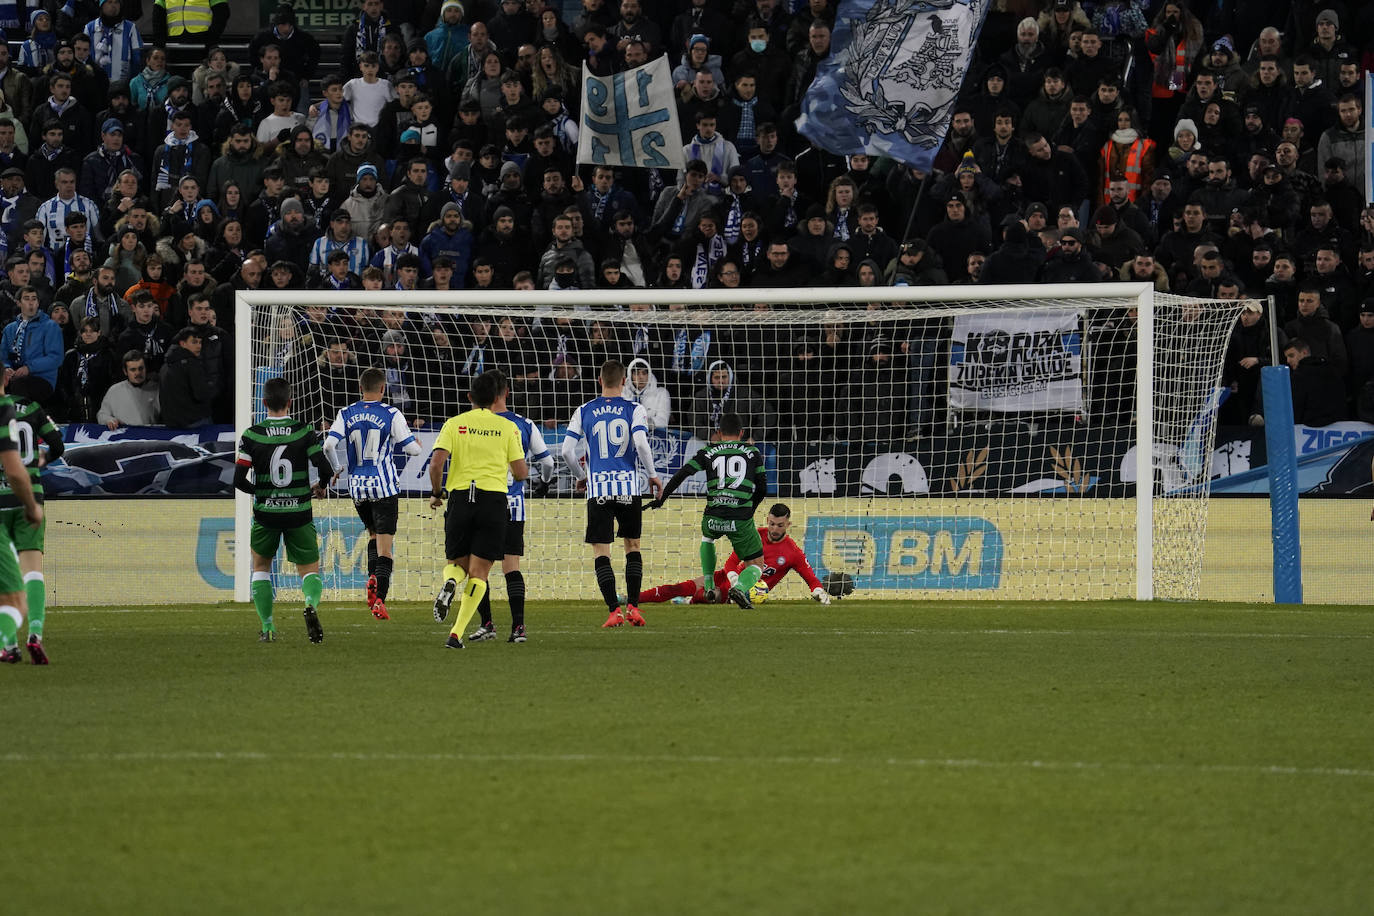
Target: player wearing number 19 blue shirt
{"points": [[368, 432], [616, 435]]}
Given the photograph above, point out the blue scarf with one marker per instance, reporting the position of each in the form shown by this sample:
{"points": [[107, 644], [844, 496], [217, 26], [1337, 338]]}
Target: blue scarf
{"points": [[370, 34], [17, 348], [700, 348], [93, 304], [746, 119], [842, 225], [732, 220], [344, 121], [680, 363]]}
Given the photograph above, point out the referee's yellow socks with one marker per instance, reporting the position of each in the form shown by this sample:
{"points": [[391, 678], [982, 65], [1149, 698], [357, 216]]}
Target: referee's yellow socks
{"points": [[473, 591], [453, 571]]}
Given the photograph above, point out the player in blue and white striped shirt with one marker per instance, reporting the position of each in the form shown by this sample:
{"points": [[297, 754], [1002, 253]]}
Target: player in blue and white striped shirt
{"points": [[536, 456], [368, 432], [616, 434]]}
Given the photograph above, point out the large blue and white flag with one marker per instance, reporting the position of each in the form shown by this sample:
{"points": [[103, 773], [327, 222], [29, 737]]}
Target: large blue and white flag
{"points": [[629, 120], [889, 86]]}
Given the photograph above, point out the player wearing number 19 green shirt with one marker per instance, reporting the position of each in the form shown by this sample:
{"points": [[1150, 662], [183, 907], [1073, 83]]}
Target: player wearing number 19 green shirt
{"points": [[279, 452], [736, 483], [31, 425]]}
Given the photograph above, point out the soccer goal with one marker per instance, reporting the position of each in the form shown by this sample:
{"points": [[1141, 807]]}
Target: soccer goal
{"points": [[1027, 442]]}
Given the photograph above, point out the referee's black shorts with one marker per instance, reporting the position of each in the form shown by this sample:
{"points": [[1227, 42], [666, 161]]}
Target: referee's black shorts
{"points": [[604, 513], [475, 525], [378, 515]]}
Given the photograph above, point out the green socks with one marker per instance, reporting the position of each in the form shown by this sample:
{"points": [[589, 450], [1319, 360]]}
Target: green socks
{"points": [[748, 576], [261, 591], [38, 601], [708, 560], [10, 621], [313, 587]]}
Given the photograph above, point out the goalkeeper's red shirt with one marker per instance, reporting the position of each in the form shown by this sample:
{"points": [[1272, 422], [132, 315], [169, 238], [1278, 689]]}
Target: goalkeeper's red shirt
{"points": [[778, 560]]}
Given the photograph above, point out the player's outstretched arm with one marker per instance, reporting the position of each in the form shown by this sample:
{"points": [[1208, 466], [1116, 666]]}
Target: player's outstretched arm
{"points": [[673, 483]]}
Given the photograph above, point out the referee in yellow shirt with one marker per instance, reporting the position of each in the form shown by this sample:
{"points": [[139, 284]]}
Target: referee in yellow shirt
{"points": [[480, 448]]}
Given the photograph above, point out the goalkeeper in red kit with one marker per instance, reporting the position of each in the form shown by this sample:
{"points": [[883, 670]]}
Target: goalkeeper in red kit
{"points": [[781, 555]]}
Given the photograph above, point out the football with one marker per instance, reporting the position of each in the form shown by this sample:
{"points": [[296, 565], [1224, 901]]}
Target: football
{"points": [[839, 584], [759, 593]]}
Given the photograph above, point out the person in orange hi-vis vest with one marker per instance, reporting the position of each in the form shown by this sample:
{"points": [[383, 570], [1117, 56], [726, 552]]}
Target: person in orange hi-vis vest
{"points": [[1126, 154], [1174, 41]]}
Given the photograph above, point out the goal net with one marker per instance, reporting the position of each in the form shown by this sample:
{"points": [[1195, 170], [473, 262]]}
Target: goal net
{"points": [[979, 442]]}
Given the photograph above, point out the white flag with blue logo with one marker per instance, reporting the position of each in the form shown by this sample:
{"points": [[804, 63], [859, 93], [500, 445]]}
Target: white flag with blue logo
{"points": [[629, 120], [889, 86]]}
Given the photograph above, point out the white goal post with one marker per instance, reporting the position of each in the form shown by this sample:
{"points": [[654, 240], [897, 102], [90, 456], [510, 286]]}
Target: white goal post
{"points": [[1013, 422]]}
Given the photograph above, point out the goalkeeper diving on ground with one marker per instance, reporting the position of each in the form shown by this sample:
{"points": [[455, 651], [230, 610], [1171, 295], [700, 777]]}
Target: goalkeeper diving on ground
{"points": [[781, 555]]}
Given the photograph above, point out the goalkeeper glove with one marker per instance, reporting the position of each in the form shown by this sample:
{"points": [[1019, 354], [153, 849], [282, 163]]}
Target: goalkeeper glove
{"points": [[540, 488], [820, 594], [655, 503]]}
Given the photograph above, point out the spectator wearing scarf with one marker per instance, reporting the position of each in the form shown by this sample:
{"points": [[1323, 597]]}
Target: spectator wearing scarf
{"points": [[150, 87], [366, 34], [116, 42], [40, 49], [32, 346], [101, 167], [705, 247], [330, 120]]}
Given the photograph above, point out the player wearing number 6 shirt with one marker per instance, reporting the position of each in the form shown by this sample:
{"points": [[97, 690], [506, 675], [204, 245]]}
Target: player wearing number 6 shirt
{"points": [[736, 483], [616, 434], [368, 432]]}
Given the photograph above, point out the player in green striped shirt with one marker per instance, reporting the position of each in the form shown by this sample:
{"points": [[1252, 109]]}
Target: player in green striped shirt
{"points": [[279, 452], [11, 582], [31, 424], [736, 483]]}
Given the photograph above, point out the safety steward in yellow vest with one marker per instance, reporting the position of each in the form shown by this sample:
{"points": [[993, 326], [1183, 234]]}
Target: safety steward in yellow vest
{"points": [[189, 21]]}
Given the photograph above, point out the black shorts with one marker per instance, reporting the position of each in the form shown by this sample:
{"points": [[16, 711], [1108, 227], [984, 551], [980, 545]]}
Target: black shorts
{"points": [[476, 527], [605, 512], [515, 539], [378, 515]]}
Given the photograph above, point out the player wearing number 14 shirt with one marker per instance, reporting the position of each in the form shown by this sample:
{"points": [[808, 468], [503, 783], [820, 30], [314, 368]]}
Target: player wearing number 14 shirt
{"points": [[616, 435], [368, 432]]}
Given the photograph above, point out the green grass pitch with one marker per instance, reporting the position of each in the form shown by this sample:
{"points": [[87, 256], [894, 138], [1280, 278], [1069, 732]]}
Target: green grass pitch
{"points": [[871, 757]]}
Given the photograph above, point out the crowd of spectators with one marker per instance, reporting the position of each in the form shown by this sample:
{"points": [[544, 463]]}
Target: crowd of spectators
{"points": [[1212, 151]]}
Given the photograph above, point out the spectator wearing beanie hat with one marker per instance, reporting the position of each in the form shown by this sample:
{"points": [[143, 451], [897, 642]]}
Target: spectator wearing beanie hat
{"points": [[1112, 242], [365, 201], [449, 37], [291, 237]]}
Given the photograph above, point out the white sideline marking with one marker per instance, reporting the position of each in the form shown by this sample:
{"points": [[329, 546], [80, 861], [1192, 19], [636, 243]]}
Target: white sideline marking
{"points": [[831, 634], [953, 763], [783, 628]]}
